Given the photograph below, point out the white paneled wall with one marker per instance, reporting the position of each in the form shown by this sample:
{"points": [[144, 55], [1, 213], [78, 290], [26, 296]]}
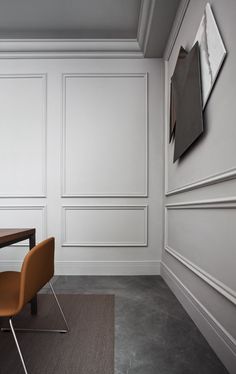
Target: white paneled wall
{"points": [[199, 257], [81, 159]]}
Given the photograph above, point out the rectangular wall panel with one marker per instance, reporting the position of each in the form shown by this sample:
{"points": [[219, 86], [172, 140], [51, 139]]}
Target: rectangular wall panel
{"points": [[24, 217], [203, 237], [23, 135], [105, 135], [104, 226]]}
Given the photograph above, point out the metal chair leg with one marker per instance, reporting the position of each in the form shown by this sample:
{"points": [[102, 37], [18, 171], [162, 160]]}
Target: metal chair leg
{"points": [[59, 306], [6, 329], [18, 347]]}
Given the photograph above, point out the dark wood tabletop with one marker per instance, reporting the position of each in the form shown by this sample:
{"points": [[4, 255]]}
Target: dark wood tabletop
{"points": [[11, 236]]}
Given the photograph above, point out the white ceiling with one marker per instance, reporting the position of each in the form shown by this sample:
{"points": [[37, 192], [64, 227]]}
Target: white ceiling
{"points": [[146, 21]]}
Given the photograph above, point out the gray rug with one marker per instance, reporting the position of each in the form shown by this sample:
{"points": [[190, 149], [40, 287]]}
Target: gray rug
{"points": [[87, 349]]}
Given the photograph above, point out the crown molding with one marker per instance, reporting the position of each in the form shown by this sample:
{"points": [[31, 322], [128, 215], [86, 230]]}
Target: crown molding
{"points": [[70, 48]]}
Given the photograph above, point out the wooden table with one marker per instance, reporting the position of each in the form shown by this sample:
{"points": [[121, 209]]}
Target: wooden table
{"points": [[12, 236]]}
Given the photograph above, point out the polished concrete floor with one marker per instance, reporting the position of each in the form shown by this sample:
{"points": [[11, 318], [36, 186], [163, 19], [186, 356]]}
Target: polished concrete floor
{"points": [[154, 334]]}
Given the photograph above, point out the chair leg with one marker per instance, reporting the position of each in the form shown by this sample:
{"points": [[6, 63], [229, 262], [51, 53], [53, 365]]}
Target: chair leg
{"points": [[18, 347], [59, 307], [5, 329]]}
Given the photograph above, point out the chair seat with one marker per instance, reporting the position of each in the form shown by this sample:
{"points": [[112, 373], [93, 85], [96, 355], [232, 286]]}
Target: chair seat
{"points": [[9, 293]]}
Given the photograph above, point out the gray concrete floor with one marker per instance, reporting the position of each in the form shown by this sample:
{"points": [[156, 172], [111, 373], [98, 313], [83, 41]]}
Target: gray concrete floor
{"points": [[154, 334]]}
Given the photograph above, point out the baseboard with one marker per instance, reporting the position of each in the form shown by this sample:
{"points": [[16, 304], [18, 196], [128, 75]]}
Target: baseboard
{"points": [[107, 267], [96, 267], [219, 339]]}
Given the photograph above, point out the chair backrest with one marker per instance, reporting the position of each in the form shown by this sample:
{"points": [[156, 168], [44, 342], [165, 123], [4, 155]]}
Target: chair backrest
{"points": [[37, 269]]}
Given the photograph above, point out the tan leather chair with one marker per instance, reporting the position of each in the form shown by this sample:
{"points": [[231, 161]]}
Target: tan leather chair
{"points": [[18, 288]]}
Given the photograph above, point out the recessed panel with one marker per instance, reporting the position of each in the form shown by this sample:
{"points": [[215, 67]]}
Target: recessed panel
{"points": [[105, 226], [105, 135], [22, 140], [206, 237]]}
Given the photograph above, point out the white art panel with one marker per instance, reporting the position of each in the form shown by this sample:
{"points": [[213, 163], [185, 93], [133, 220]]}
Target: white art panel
{"points": [[212, 51], [22, 141], [104, 226], [105, 135], [24, 217]]}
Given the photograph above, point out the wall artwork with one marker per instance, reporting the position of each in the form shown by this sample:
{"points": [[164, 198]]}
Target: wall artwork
{"points": [[192, 82], [178, 76], [186, 100], [212, 52]]}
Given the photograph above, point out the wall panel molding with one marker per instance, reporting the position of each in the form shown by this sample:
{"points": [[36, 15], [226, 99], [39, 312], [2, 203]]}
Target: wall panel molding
{"points": [[210, 180], [66, 76], [227, 203], [66, 243], [217, 336], [42, 76], [41, 208]]}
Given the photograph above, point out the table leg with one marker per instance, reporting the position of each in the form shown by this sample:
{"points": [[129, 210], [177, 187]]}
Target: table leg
{"points": [[33, 302]]}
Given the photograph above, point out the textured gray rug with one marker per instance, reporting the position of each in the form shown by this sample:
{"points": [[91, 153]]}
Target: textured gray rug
{"points": [[87, 349]]}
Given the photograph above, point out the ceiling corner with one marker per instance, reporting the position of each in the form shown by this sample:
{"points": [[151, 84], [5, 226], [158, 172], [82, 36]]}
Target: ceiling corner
{"points": [[144, 25], [183, 6]]}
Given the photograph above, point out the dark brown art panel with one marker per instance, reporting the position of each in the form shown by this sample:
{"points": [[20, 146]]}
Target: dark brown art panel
{"points": [[178, 74], [187, 100]]}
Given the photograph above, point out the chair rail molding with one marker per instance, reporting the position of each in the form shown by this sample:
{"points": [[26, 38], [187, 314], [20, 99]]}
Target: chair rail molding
{"points": [[226, 203], [204, 182], [207, 203]]}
